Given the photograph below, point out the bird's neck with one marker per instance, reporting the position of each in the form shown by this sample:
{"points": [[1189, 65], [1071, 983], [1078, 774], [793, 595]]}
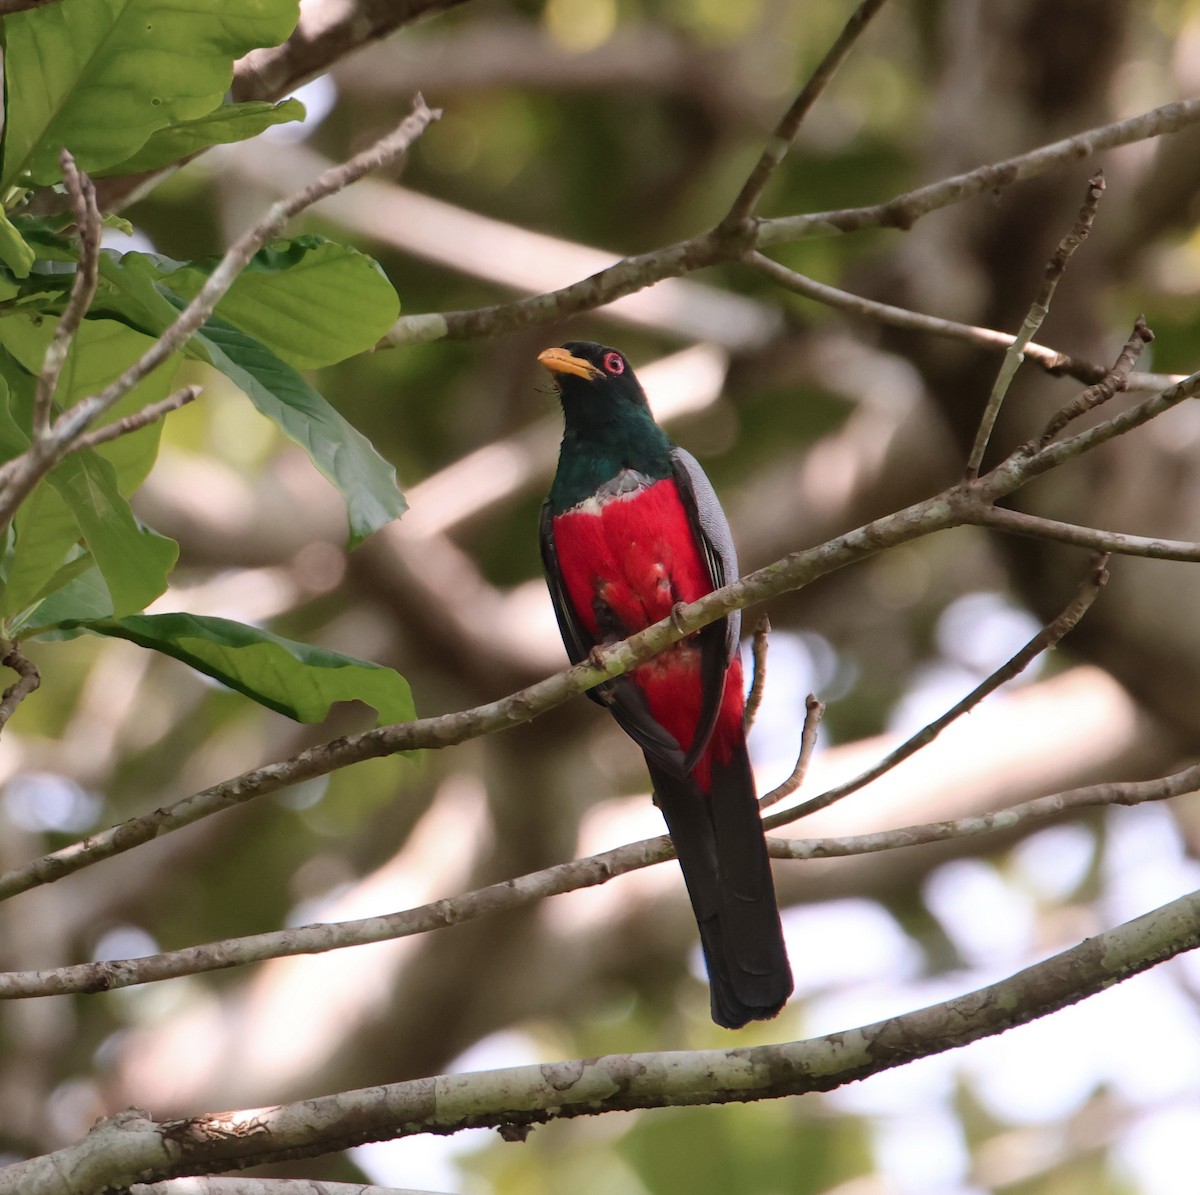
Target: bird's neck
{"points": [[597, 449]]}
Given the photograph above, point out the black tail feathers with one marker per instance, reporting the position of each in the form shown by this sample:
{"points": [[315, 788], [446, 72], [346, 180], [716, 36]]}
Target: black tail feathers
{"points": [[719, 839]]}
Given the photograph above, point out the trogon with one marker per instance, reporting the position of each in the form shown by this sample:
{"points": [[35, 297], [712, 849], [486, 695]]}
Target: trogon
{"points": [[632, 527]]}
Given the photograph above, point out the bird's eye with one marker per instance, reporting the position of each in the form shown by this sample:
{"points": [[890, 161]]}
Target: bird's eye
{"points": [[614, 363]]}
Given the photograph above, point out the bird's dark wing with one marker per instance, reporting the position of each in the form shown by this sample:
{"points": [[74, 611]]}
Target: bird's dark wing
{"points": [[719, 640]]}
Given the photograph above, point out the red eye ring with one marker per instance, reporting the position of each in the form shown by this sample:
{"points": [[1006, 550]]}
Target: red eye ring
{"points": [[614, 363]]}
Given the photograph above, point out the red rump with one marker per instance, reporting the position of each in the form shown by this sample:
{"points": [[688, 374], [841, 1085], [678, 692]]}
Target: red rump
{"points": [[637, 555]]}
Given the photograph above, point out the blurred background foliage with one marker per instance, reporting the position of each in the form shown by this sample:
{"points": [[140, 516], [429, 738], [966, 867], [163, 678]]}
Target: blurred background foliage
{"points": [[625, 125]]}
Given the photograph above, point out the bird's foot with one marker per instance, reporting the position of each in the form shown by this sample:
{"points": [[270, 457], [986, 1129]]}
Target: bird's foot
{"points": [[677, 615]]}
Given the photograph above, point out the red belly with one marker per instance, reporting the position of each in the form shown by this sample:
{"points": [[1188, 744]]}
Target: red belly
{"points": [[638, 556]]}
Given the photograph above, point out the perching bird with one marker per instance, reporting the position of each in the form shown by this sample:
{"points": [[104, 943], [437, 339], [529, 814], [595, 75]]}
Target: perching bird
{"points": [[631, 528]]}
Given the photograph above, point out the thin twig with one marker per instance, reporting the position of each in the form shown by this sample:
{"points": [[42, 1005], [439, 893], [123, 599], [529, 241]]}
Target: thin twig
{"points": [[1046, 638], [83, 290], [28, 679], [135, 421], [1030, 461], [814, 711], [1051, 360], [1114, 381], [1116, 543], [1024, 815], [758, 679], [551, 881], [789, 126], [1038, 311]]}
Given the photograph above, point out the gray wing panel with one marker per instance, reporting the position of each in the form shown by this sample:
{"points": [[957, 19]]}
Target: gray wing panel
{"points": [[718, 539]]}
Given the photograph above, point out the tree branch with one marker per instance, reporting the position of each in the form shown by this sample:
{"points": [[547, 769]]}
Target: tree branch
{"points": [[135, 421], [83, 290], [133, 1147], [1115, 543], [1051, 360], [507, 895], [905, 210], [1114, 381], [28, 680]]}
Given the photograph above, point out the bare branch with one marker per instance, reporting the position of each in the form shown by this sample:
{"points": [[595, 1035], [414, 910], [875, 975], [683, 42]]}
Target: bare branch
{"points": [[1051, 360], [1115, 380], [1116, 543], [28, 681], [1045, 639], [814, 711], [83, 290], [326, 33], [905, 210], [135, 421], [1030, 461], [758, 681], [1040, 809], [789, 126], [551, 881], [1038, 311], [132, 1147]]}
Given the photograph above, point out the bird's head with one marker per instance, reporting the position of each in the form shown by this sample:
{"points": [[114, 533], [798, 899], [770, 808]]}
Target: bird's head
{"points": [[590, 375]]}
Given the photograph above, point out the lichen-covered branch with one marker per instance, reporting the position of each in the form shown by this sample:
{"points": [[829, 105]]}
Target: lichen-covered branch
{"points": [[134, 1147]]}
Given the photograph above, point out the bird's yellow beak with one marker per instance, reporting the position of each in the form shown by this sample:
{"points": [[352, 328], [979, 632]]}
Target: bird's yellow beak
{"points": [[560, 361]]}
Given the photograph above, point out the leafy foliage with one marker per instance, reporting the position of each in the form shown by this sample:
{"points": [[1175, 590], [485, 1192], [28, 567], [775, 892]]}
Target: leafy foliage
{"points": [[136, 85]]}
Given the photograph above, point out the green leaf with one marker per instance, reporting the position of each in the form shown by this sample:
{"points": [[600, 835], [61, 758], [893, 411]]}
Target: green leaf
{"points": [[289, 677], [345, 456], [15, 252], [102, 76], [312, 302], [83, 598], [222, 126], [134, 561], [45, 533], [13, 441]]}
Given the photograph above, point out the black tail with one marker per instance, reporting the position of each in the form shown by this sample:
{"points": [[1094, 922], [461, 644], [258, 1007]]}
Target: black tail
{"points": [[719, 840]]}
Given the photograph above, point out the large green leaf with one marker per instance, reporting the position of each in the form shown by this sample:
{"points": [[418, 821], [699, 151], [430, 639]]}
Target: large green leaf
{"points": [[365, 480], [312, 302], [222, 126], [102, 76], [342, 453], [289, 677], [46, 531], [134, 561]]}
